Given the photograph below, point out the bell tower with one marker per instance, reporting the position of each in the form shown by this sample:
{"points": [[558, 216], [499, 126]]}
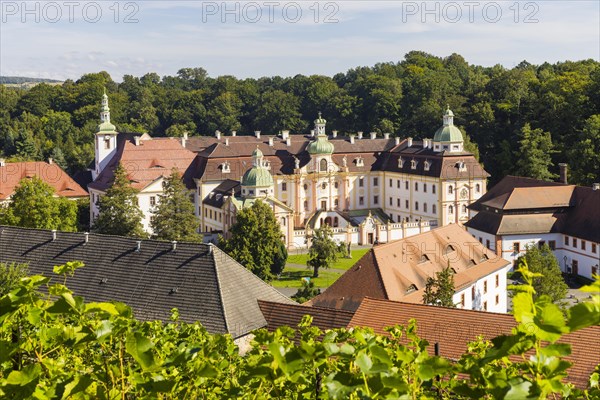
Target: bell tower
{"points": [[106, 139]]}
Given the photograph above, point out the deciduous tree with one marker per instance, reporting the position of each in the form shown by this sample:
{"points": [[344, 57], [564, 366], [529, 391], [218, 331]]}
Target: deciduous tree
{"points": [[323, 250], [551, 283], [440, 290]]}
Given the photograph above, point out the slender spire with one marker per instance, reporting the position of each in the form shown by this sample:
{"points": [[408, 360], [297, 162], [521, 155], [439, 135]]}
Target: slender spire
{"points": [[105, 125]]}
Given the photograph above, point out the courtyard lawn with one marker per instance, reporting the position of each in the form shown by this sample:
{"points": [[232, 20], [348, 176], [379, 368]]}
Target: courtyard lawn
{"points": [[342, 263], [291, 277]]}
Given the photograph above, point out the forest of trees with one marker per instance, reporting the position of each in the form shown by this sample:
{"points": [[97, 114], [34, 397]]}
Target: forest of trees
{"points": [[525, 119]]}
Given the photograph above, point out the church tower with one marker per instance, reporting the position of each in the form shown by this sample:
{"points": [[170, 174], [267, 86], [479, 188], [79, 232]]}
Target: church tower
{"points": [[448, 137], [106, 139]]}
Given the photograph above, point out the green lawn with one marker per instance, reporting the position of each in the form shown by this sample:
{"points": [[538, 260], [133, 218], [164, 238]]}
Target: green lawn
{"points": [[342, 263], [291, 277]]}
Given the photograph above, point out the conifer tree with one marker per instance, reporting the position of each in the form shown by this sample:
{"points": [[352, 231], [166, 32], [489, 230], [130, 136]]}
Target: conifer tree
{"points": [[255, 240], [440, 290], [119, 212], [173, 217], [535, 154]]}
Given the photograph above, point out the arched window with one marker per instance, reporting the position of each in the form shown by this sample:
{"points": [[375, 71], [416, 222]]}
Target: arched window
{"points": [[283, 221], [416, 206], [434, 209], [335, 221], [450, 209], [433, 189], [477, 188], [450, 189], [424, 207], [323, 166], [464, 209]]}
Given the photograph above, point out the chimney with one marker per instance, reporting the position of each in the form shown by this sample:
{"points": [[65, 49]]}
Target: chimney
{"points": [[285, 134], [233, 133], [409, 141], [138, 246], [271, 142], [2, 162], [396, 140], [312, 132], [50, 160], [53, 235], [373, 135], [86, 237], [595, 186], [174, 245], [386, 135], [360, 134], [563, 173], [218, 134], [334, 133], [257, 134], [136, 139], [288, 141], [226, 141], [352, 138], [184, 139]]}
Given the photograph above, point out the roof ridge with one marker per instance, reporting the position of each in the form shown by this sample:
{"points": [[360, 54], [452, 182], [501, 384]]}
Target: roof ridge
{"points": [[211, 249]]}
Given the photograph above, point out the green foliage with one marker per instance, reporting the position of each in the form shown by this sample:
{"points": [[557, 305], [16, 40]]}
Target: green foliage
{"points": [[406, 98], [550, 281], [10, 275], [119, 212], [440, 290], [33, 205], [323, 250], [307, 291], [173, 217], [56, 346], [256, 240]]}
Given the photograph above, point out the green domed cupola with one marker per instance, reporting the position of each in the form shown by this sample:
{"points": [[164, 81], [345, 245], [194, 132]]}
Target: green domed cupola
{"points": [[105, 125], [258, 177], [321, 145], [448, 137]]}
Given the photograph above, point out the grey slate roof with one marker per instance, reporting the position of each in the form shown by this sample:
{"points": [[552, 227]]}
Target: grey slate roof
{"points": [[200, 280]]}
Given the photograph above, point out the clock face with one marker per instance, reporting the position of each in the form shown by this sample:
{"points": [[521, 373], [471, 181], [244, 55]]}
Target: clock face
{"points": [[464, 194]]}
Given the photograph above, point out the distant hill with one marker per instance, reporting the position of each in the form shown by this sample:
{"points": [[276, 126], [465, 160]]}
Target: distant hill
{"points": [[18, 80]]}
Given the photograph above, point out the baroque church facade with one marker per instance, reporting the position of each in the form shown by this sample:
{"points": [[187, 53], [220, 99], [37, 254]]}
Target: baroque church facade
{"points": [[368, 188]]}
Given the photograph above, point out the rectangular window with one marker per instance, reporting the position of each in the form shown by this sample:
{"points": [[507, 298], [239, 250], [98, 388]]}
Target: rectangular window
{"points": [[566, 240], [484, 287], [594, 248], [406, 204], [398, 202], [462, 300], [416, 186], [375, 181], [398, 184], [552, 244], [361, 182], [361, 201], [487, 243], [391, 201], [406, 185], [485, 306], [391, 183], [336, 203], [497, 280], [583, 245], [425, 188], [433, 189], [497, 299], [375, 199], [106, 143], [516, 247], [574, 242], [152, 200], [284, 187], [416, 205], [323, 205], [473, 293]]}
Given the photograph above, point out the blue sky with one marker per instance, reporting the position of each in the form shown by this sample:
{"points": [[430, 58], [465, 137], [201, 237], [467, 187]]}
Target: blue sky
{"points": [[57, 39]]}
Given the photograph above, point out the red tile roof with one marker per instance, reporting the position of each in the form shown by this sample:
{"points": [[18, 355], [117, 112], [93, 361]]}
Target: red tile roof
{"points": [[454, 328], [280, 314], [148, 161], [12, 173], [399, 270]]}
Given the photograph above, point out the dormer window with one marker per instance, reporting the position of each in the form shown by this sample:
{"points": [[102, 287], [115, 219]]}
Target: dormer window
{"points": [[360, 162], [225, 167], [413, 164], [424, 258], [400, 162], [410, 289], [461, 166], [426, 165]]}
